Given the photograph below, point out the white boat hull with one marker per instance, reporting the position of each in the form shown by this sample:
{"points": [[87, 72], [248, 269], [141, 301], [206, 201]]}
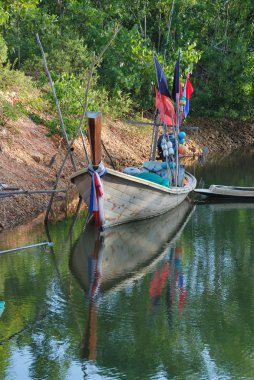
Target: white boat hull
{"points": [[228, 192], [128, 198]]}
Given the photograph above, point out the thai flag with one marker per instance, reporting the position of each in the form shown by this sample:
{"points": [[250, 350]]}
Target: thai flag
{"points": [[96, 199], [188, 91]]}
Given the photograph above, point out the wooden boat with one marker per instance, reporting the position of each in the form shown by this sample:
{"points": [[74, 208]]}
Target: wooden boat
{"points": [[228, 192], [122, 252], [126, 197]]}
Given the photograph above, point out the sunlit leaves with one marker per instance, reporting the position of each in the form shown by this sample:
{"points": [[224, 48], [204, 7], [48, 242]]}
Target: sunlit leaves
{"points": [[216, 40]]}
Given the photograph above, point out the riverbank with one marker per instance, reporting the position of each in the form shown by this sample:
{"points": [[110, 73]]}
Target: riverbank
{"points": [[30, 160]]}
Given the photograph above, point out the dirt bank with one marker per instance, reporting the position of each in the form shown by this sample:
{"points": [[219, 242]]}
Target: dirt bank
{"points": [[30, 160]]}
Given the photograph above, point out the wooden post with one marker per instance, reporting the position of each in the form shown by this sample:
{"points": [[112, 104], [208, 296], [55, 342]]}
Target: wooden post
{"points": [[94, 124]]}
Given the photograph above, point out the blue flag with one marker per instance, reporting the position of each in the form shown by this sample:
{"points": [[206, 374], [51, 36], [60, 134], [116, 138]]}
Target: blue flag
{"points": [[161, 78]]}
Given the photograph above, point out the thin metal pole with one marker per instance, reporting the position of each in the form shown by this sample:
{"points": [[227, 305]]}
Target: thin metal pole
{"points": [[168, 31], [178, 116], [49, 244], [182, 127]]}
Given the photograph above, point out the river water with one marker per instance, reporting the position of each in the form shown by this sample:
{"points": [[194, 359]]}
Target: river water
{"points": [[171, 298]]}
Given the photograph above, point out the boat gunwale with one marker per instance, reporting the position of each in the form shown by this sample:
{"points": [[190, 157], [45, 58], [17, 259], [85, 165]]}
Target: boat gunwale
{"points": [[233, 188], [130, 178]]}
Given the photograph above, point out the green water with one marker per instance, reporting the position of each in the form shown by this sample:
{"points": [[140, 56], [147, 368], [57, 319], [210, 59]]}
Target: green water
{"points": [[184, 311]]}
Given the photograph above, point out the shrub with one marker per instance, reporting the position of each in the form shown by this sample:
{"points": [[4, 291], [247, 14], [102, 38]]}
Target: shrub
{"points": [[3, 50], [18, 94]]}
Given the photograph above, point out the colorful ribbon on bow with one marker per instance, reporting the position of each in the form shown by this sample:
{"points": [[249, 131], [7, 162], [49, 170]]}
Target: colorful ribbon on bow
{"points": [[96, 205]]}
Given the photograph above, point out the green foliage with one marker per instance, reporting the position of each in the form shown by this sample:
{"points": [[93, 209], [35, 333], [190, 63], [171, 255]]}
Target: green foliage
{"points": [[71, 93], [3, 51], [7, 111], [222, 74], [120, 104], [18, 94], [215, 40], [71, 57]]}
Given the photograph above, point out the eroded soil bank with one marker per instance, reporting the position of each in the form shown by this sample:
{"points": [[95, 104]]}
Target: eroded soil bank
{"points": [[30, 160]]}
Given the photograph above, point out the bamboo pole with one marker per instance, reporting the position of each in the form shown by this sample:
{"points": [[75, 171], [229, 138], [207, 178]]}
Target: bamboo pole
{"points": [[56, 100], [72, 141], [4, 194], [108, 154], [155, 133]]}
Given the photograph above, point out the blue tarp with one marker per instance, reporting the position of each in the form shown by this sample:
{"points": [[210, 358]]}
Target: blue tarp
{"points": [[155, 178], [2, 306]]}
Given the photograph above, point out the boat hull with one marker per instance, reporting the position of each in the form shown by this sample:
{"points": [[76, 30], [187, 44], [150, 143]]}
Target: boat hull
{"points": [[128, 198], [228, 192]]}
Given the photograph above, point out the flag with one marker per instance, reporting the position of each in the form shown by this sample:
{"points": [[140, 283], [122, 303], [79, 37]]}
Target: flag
{"points": [[166, 108], [161, 79], [188, 91], [177, 88]]}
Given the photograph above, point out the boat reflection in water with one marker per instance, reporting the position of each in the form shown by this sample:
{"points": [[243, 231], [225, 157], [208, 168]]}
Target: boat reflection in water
{"points": [[122, 254], [101, 262]]}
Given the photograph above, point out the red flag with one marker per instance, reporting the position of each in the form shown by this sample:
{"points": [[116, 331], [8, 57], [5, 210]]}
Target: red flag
{"points": [[188, 91], [189, 88], [166, 109]]}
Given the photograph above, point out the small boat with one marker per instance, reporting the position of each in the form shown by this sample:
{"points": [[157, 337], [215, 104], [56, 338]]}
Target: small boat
{"points": [[228, 192], [100, 262], [126, 197]]}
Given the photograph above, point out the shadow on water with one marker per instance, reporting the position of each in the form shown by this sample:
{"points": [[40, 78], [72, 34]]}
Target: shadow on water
{"points": [[124, 253]]}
